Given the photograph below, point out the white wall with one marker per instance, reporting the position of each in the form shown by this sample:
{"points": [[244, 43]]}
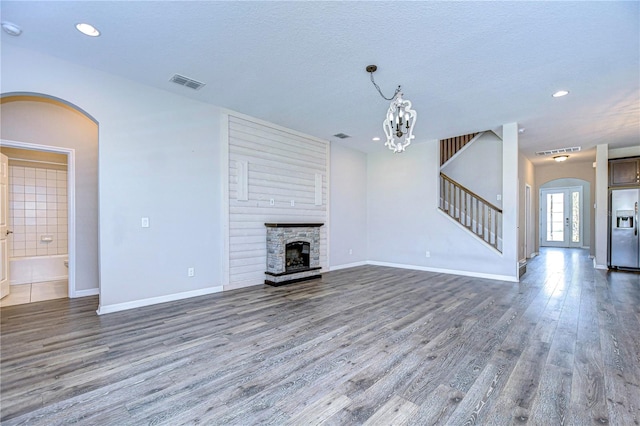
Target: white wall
{"points": [[486, 181], [348, 207], [404, 222], [159, 157]]}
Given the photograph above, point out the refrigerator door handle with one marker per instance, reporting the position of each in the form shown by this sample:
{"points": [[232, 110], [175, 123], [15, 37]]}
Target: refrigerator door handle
{"points": [[635, 224]]}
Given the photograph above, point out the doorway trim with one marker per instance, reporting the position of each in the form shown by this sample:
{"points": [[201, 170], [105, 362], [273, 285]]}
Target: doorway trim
{"points": [[528, 221], [71, 199]]}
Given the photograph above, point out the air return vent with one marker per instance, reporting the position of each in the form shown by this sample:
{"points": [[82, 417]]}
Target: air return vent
{"points": [[341, 135], [186, 81], [559, 151]]}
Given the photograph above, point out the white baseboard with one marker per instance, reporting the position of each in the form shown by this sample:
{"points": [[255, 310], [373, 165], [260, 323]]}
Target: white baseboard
{"points": [[347, 265], [596, 266], [448, 271], [107, 309], [87, 292]]}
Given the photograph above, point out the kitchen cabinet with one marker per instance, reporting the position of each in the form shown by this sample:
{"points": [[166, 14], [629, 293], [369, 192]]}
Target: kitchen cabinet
{"points": [[624, 172]]}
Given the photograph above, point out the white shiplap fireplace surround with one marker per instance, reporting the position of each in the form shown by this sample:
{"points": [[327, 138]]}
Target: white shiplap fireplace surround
{"points": [[293, 252], [276, 175]]}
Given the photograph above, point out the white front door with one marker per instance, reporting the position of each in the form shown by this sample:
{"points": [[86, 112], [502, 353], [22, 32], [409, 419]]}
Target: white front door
{"points": [[561, 217], [4, 228]]}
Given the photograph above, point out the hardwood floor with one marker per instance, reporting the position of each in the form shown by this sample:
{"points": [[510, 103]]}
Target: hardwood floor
{"points": [[367, 345]]}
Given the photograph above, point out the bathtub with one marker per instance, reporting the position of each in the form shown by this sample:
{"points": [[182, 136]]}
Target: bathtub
{"points": [[33, 269]]}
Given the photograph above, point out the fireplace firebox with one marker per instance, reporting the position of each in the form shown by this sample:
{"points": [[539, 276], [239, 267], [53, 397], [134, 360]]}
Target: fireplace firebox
{"points": [[297, 254]]}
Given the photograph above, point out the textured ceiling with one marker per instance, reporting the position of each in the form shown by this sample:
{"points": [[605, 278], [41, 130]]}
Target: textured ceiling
{"points": [[466, 66]]}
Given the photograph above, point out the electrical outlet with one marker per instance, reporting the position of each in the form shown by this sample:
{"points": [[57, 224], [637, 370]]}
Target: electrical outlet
{"points": [[191, 272], [350, 251], [293, 203], [144, 222], [427, 254], [499, 197]]}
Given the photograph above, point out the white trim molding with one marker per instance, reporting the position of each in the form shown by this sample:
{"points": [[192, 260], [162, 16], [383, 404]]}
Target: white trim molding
{"points": [[107, 309], [87, 292], [447, 271]]}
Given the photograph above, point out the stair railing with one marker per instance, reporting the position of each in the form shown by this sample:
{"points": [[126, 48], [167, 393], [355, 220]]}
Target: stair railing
{"points": [[450, 147], [472, 211]]}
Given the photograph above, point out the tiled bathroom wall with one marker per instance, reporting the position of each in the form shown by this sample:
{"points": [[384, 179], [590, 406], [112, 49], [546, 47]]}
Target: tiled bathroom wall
{"points": [[38, 211]]}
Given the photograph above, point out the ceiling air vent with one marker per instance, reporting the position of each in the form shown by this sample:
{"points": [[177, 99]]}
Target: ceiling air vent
{"points": [[559, 151], [341, 135], [186, 81]]}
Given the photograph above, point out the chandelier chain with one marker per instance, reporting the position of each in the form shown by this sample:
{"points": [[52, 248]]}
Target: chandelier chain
{"points": [[380, 91]]}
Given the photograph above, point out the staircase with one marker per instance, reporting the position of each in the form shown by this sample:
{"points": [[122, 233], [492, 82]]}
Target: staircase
{"points": [[476, 214], [450, 147]]}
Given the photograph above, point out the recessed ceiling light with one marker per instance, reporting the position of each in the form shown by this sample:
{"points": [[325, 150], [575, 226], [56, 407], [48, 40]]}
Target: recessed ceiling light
{"points": [[88, 29], [560, 158], [11, 28], [376, 139], [560, 93]]}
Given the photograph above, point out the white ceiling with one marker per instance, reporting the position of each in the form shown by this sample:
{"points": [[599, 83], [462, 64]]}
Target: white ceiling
{"points": [[466, 66]]}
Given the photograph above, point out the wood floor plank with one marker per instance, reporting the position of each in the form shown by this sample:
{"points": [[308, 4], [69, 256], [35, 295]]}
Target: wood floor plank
{"points": [[588, 400], [365, 345]]}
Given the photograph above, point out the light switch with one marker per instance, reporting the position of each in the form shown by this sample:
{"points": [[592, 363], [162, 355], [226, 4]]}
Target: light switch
{"points": [[145, 222]]}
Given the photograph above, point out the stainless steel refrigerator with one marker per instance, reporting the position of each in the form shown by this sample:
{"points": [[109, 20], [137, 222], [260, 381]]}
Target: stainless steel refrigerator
{"points": [[624, 241]]}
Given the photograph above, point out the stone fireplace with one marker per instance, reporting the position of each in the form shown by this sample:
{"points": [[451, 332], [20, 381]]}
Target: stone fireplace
{"points": [[293, 252]]}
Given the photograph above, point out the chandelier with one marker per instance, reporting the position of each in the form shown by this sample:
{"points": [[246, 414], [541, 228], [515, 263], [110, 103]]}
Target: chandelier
{"points": [[400, 120]]}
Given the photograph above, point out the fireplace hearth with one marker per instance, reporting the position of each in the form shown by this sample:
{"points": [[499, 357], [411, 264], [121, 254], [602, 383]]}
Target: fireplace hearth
{"points": [[293, 252]]}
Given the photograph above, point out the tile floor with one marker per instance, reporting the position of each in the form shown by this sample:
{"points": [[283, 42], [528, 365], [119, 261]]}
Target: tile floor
{"points": [[36, 292]]}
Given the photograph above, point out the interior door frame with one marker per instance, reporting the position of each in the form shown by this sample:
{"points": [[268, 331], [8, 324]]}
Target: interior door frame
{"points": [[71, 199], [528, 220], [5, 284], [567, 242]]}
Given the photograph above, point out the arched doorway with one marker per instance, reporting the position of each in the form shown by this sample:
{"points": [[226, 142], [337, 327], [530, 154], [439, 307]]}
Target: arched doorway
{"points": [[43, 124], [564, 213]]}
